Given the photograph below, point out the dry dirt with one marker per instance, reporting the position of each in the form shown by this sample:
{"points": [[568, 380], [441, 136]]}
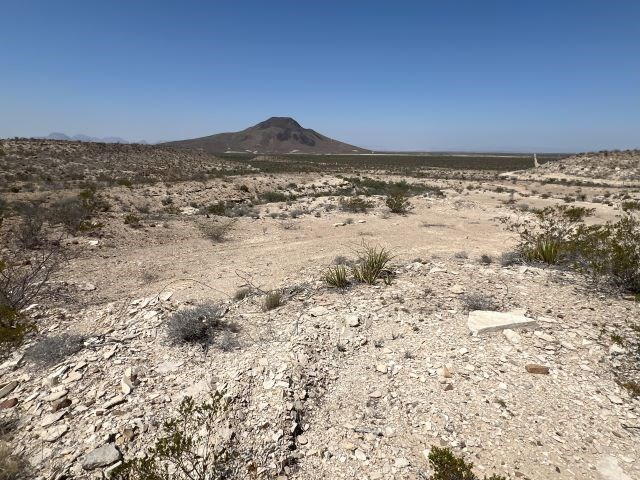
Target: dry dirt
{"points": [[357, 383]]}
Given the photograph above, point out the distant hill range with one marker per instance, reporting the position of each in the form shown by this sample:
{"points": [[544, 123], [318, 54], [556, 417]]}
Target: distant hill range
{"points": [[86, 138], [275, 135]]}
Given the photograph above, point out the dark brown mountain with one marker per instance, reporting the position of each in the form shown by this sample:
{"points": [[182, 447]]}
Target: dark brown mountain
{"points": [[275, 135]]}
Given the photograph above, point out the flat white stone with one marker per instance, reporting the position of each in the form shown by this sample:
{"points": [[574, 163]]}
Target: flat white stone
{"points": [[481, 321], [609, 469]]}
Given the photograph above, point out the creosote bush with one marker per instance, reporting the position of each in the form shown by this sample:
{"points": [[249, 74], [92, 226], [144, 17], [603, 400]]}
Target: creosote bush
{"points": [[336, 276], [191, 448], [75, 213], [446, 466], [355, 204], [24, 278], [371, 263], [607, 252], [548, 236]]}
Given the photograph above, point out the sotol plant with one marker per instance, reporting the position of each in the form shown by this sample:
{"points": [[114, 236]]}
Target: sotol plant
{"points": [[336, 276], [371, 263]]}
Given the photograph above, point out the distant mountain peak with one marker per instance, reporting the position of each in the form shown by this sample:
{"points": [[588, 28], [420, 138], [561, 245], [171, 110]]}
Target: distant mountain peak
{"points": [[274, 135], [279, 122]]}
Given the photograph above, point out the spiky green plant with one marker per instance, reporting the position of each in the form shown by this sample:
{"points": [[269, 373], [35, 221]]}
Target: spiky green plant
{"points": [[336, 276], [372, 261]]}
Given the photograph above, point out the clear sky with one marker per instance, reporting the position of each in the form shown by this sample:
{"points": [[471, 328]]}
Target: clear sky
{"points": [[533, 75]]}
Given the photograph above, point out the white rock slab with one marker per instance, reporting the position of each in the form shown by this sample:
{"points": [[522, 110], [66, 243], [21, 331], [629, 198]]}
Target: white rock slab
{"points": [[609, 469], [481, 321]]}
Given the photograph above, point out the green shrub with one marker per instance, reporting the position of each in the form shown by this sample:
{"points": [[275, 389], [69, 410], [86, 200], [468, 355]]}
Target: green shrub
{"points": [[355, 204], [218, 209], [132, 220], [336, 276], [610, 251], [548, 235], [371, 263], [192, 446], [446, 466], [273, 196], [75, 213]]}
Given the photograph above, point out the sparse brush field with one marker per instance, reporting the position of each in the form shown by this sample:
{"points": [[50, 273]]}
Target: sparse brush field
{"points": [[322, 316]]}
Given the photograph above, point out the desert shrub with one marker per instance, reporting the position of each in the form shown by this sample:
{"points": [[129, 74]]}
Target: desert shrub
{"points": [[611, 252], [74, 213], [273, 196], [630, 205], [446, 466], [371, 263], [397, 202], [242, 293], [54, 349], [132, 220], [124, 182], [216, 232], [548, 235], [24, 278], [12, 467], [355, 204], [478, 301], [461, 255], [30, 234], [192, 446], [272, 300], [336, 276], [194, 325], [244, 188], [486, 259], [218, 209], [241, 210], [507, 259]]}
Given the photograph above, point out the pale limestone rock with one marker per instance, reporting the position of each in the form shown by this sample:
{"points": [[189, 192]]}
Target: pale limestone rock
{"points": [[481, 321]]}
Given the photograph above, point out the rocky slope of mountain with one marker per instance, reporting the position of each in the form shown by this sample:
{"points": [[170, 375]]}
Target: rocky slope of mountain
{"points": [[275, 135]]}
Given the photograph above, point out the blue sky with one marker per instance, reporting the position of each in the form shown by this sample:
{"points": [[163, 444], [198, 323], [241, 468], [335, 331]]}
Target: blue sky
{"points": [[427, 75]]}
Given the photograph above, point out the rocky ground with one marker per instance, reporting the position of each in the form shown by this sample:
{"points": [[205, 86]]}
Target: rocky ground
{"points": [[616, 168], [355, 383]]}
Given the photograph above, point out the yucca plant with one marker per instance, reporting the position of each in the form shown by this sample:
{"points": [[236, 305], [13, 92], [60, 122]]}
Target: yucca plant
{"points": [[371, 263], [336, 276], [545, 249]]}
